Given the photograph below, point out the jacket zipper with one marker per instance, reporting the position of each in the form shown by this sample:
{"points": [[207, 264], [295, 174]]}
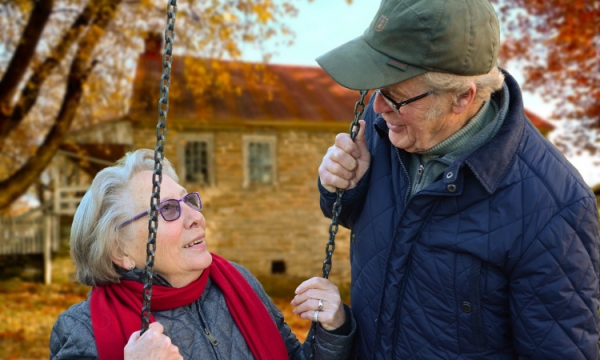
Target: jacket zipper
{"points": [[213, 340], [203, 324], [419, 178], [407, 176]]}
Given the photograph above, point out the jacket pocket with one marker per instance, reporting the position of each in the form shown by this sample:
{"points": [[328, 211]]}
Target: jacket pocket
{"points": [[472, 332], [476, 318], [352, 244]]}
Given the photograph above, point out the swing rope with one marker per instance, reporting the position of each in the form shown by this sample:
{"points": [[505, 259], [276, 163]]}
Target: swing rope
{"points": [[159, 155]]}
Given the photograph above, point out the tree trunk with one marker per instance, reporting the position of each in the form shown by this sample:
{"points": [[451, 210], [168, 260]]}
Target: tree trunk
{"points": [[30, 92], [18, 183], [21, 58]]}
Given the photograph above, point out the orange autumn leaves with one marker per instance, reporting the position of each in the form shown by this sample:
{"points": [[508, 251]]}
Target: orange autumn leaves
{"points": [[557, 42], [28, 313]]}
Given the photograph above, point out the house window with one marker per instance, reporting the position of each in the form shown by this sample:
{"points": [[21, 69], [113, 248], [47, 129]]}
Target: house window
{"points": [[278, 267], [259, 159], [260, 167], [196, 162], [196, 158]]}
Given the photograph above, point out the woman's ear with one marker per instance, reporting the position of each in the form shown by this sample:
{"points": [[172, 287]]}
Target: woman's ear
{"points": [[122, 260], [464, 100]]}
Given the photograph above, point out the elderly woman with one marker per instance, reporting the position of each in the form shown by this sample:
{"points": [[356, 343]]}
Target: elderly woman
{"points": [[203, 307]]}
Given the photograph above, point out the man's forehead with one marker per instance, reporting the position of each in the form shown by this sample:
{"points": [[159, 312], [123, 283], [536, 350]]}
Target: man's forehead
{"points": [[397, 89]]}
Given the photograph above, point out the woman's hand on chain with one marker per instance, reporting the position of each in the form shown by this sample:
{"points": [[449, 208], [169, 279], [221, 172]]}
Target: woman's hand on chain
{"points": [[318, 299]]}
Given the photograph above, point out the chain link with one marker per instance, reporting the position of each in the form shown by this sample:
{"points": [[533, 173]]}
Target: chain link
{"points": [[359, 108], [159, 155]]}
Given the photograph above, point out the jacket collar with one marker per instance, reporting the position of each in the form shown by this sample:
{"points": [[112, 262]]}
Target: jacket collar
{"points": [[491, 161]]}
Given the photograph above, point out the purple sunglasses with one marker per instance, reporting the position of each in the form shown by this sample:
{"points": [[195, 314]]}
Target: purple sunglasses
{"points": [[170, 209]]}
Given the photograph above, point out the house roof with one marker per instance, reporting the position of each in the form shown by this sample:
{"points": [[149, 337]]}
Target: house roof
{"points": [[282, 94], [542, 125]]}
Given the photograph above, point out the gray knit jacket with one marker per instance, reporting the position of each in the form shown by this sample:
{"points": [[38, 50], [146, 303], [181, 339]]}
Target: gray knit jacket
{"points": [[72, 336]]}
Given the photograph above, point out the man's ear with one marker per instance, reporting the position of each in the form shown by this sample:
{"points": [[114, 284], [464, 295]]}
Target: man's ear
{"points": [[464, 100]]}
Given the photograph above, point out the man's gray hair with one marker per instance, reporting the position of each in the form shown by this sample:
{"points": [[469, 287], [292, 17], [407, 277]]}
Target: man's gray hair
{"points": [[454, 85], [96, 232]]}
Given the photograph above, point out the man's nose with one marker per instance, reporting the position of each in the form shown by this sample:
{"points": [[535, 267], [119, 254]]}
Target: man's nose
{"points": [[380, 105]]}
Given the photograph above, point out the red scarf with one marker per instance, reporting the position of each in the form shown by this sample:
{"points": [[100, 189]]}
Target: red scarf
{"points": [[116, 309]]}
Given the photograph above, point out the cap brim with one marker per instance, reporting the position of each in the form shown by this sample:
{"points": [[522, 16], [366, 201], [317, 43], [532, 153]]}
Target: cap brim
{"points": [[358, 66]]}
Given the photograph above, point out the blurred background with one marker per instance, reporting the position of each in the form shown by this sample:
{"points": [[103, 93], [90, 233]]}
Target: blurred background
{"points": [[250, 117]]}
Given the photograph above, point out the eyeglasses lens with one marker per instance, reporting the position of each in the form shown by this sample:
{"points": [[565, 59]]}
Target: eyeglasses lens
{"points": [[170, 209], [193, 200], [388, 101]]}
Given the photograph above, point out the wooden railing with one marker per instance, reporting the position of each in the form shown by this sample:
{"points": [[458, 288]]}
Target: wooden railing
{"points": [[34, 232], [66, 199]]}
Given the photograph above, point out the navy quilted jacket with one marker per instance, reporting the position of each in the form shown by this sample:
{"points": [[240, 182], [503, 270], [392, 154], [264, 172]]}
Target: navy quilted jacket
{"points": [[497, 259]]}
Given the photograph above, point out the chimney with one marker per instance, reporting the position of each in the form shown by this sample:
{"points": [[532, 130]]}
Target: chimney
{"points": [[153, 45]]}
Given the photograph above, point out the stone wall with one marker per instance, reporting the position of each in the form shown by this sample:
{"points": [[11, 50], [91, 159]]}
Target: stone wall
{"points": [[262, 224]]}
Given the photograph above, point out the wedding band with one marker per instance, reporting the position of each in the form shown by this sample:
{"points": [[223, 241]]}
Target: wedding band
{"points": [[320, 305], [316, 316]]}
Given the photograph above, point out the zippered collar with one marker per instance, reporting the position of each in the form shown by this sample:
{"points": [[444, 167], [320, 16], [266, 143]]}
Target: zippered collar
{"points": [[491, 161]]}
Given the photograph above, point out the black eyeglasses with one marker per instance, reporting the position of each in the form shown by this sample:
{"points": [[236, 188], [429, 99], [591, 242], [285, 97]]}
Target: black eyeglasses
{"points": [[395, 105], [170, 209]]}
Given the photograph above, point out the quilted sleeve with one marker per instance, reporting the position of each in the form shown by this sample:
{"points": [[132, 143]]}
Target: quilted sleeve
{"points": [[352, 200], [72, 336], [554, 288]]}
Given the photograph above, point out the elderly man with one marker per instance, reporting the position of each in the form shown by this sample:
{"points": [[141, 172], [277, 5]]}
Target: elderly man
{"points": [[472, 236]]}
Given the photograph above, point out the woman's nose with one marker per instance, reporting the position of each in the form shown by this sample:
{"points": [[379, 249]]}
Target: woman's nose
{"points": [[193, 217]]}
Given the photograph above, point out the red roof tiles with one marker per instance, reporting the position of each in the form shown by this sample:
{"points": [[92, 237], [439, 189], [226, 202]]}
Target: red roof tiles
{"points": [[280, 93]]}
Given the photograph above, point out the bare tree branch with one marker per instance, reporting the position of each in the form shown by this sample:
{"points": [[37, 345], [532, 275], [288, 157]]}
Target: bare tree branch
{"points": [[22, 57], [17, 184], [31, 90]]}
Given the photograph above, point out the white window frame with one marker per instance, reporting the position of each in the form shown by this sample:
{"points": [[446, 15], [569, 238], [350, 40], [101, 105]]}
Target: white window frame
{"points": [[268, 139], [182, 140]]}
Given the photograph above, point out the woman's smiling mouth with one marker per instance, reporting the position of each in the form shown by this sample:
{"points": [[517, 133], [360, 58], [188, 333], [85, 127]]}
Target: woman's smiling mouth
{"points": [[195, 242]]}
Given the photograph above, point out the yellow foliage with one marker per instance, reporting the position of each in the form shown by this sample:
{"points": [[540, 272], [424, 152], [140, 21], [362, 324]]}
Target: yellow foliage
{"points": [[204, 29]]}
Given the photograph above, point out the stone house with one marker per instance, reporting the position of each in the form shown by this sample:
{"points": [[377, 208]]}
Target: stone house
{"points": [[253, 156]]}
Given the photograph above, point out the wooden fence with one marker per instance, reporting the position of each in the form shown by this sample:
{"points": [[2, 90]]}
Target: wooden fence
{"points": [[34, 232]]}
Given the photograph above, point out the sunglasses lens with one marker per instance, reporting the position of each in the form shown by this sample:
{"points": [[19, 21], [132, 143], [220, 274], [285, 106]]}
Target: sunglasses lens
{"points": [[193, 200], [170, 210]]}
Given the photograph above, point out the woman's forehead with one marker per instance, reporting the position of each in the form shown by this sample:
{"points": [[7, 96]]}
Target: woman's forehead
{"points": [[142, 185]]}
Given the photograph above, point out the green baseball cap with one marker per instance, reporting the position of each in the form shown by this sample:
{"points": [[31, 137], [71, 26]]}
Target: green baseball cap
{"points": [[410, 37]]}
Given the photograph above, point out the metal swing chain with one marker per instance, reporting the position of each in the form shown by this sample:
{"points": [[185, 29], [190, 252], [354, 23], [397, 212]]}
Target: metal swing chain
{"points": [[159, 155], [359, 108]]}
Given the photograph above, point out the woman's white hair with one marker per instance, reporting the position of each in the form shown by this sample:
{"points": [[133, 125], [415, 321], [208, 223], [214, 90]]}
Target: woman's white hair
{"points": [[96, 231], [456, 85]]}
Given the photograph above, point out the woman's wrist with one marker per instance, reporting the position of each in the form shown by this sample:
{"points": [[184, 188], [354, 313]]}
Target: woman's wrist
{"points": [[345, 328]]}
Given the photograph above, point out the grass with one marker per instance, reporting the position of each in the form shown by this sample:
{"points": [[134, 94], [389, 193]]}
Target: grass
{"points": [[29, 311]]}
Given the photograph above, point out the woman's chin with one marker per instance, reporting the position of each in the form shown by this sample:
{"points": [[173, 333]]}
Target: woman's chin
{"points": [[205, 260]]}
